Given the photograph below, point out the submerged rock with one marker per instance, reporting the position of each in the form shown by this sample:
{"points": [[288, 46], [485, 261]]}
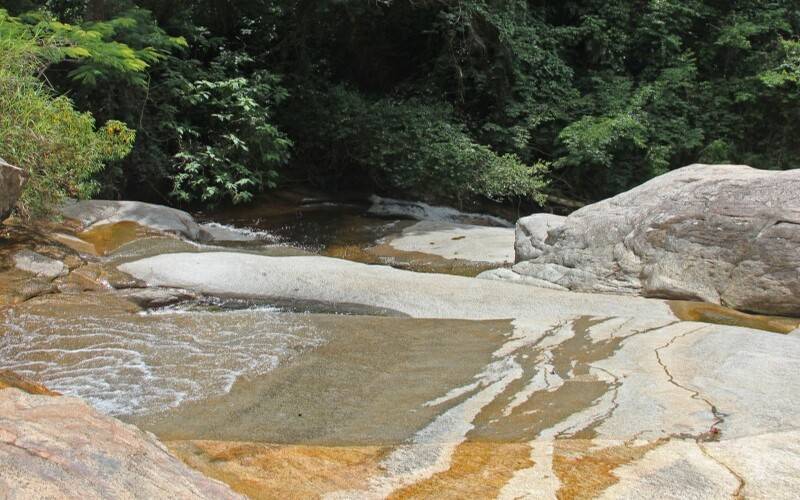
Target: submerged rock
{"points": [[225, 233], [12, 180], [57, 447], [147, 298], [726, 234]]}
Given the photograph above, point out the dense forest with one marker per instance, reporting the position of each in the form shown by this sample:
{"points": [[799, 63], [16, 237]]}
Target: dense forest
{"points": [[213, 101]]}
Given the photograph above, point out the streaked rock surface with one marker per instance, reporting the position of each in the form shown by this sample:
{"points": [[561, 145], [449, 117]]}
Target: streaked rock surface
{"points": [[586, 396], [59, 447], [726, 234]]}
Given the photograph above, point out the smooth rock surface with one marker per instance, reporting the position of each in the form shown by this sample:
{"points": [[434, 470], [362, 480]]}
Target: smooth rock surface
{"points": [[508, 275], [102, 212], [12, 180], [726, 234], [458, 241], [38, 264], [566, 395], [335, 281], [59, 447]]}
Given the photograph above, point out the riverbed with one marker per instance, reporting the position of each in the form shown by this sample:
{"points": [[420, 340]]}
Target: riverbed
{"points": [[326, 350]]}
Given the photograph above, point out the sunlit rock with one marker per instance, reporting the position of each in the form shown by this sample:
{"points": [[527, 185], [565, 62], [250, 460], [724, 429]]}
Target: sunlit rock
{"points": [[726, 234], [39, 265], [59, 447]]}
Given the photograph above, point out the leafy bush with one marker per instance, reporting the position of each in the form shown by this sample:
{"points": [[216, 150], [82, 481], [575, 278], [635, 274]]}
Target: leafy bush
{"points": [[59, 148], [229, 148], [413, 146]]}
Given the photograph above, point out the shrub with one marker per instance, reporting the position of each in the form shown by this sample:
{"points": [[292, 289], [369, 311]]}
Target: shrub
{"points": [[59, 147], [414, 146]]}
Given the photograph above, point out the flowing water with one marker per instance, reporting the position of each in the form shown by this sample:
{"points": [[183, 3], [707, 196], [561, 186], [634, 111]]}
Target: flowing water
{"points": [[128, 362]]}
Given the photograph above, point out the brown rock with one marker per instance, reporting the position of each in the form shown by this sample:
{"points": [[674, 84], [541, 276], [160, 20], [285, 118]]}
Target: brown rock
{"points": [[96, 276], [62, 448], [75, 243], [11, 380], [33, 288], [282, 471]]}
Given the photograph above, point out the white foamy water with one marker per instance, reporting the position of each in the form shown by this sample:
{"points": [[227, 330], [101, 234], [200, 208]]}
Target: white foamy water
{"points": [[225, 232], [127, 364], [389, 207]]}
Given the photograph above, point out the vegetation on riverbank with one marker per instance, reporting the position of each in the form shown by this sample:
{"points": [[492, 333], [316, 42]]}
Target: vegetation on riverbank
{"points": [[454, 100]]}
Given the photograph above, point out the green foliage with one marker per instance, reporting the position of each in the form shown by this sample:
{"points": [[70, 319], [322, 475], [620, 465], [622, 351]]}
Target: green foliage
{"points": [[414, 146], [93, 48], [235, 151], [787, 71], [454, 99], [59, 148]]}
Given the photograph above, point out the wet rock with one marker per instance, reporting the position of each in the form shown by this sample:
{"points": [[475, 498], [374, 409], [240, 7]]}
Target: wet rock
{"points": [[388, 207], [147, 298], [726, 234], [33, 288], [11, 380], [38, 264], [221, 233], [531, 234], [264, 471], [12, 180], [60, 447], [102, 212], [97, 276]]}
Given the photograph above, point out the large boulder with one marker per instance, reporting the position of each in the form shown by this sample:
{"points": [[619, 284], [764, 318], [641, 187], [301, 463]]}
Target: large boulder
{"points": [[59, 447], [726, 234], [12, 180]]}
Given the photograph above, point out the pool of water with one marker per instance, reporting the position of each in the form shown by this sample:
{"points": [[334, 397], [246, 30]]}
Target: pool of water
{"points": [[128, 362]]}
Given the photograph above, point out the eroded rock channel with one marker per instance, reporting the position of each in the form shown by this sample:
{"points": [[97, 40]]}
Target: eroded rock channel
{"points": [[264, 362]]}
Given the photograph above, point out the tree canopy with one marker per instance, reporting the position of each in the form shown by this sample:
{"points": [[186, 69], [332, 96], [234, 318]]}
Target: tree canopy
{"points": [[445, 99]]}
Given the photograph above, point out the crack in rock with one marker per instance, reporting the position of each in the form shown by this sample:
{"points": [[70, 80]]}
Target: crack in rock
{"points": [[719, 417]]}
